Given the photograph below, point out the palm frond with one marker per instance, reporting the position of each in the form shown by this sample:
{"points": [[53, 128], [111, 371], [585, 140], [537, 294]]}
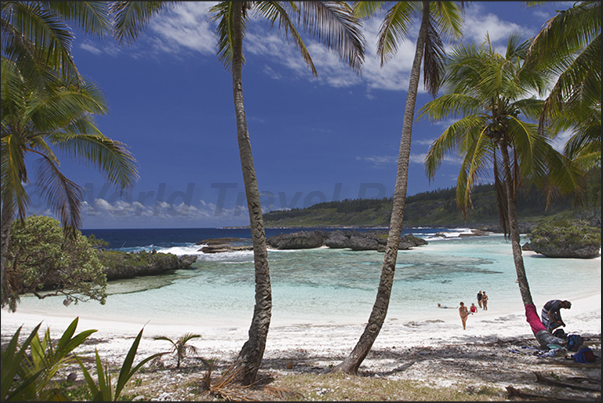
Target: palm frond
{"points": [[366, 9], [92, 17], [131, 17], [38, 40], [394, 28], [223, 14], [275, 12], [334, 25], [61, 194], [109, 156], [433, 56]]}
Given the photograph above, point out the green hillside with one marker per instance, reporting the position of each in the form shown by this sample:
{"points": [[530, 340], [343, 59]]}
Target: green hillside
{"points": [[434, 208]]}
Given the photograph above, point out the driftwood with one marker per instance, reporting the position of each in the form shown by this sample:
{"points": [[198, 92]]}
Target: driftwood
{"points": [[543, 379], [527, 395]]}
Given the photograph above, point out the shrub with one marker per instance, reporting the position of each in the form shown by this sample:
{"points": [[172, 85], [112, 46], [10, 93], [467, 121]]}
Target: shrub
{"points": [[42, 258]]}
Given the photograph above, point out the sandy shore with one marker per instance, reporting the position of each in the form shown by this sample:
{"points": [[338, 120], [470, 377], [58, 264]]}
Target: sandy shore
{"points": [[438, 350]]}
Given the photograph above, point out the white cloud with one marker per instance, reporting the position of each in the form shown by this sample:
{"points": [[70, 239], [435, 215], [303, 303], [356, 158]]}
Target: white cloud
{"points": [[186, 26], [88, 46], [379, 161], [477, 24], [121, 212], [106, 47]]}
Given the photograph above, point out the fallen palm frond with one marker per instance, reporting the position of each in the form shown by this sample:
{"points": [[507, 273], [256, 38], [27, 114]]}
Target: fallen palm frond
{"points": [[225, 387]]}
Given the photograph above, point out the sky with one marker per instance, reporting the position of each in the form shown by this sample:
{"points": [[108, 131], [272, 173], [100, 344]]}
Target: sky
{"points": [[314, 139]]}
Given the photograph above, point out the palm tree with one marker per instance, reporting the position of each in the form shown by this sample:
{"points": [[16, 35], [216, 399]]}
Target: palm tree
{"points": [[438, 19], [180, 347], [38, 123], [491, 93], [569, 45], [36, 37], [333, 24]]}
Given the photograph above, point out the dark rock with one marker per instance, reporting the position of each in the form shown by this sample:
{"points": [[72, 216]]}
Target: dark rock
{"points": [[527, 247], [474, 232], [566, 251], [410, 241], [339, 239], [186, 261], [224, 248], [363, 242], [218, 241], [297, 240]]}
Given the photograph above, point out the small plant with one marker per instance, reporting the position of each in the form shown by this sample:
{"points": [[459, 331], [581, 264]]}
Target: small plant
{"points": [[180, 347], [26, 376], [104, 390]]}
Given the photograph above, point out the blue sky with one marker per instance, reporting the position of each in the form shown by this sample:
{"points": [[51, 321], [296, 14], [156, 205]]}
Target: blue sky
{"points": [[313, 139]]}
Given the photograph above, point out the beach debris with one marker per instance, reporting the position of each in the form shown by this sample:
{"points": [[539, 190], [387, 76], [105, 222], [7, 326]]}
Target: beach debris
{"points": [[225, 387], [542, 378]]}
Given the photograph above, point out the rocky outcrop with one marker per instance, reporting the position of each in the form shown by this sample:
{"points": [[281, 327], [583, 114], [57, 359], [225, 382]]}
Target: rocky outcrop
{"points": [[566, 251], [566, 239], [218, 241], [340, 239], [297, 240], [224, 248], [120, 265], [220, 245]]}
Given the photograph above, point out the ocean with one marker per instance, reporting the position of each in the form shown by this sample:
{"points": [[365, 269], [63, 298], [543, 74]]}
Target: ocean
{"points": [[323, 286]]}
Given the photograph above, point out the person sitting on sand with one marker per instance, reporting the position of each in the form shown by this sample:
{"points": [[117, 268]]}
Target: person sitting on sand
{"points": [[464, 313], [473, 308], [551, 315], [484, 301]]}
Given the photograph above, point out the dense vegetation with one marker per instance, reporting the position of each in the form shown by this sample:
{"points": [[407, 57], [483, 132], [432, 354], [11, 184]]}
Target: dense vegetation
{"points": [[439, 208], [41, 258], [566, 232]]}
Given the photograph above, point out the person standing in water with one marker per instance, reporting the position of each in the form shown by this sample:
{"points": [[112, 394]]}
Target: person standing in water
{"points": [[479, 298], [484, 301], [464, 313]]}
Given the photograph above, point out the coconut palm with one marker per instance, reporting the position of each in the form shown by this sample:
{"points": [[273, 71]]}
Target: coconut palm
{"points": [[38, 123], [180, 347], [492, 95], [438, 20], [569, 45], [333, 24]]}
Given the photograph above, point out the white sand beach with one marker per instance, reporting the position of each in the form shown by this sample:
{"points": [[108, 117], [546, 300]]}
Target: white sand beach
{"points": [[438, 350]]}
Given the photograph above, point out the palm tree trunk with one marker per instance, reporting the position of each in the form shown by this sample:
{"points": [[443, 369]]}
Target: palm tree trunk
{"points": [[524, 287], [250, 357], [7, 216], [539, 330], [351, 364]]}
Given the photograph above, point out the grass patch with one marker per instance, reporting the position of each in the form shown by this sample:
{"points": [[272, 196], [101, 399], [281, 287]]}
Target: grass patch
{"points": [[339, 387]]}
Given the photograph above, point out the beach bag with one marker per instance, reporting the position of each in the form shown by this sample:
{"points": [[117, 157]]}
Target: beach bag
{"points": [[584, 356], [574, 341]]}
